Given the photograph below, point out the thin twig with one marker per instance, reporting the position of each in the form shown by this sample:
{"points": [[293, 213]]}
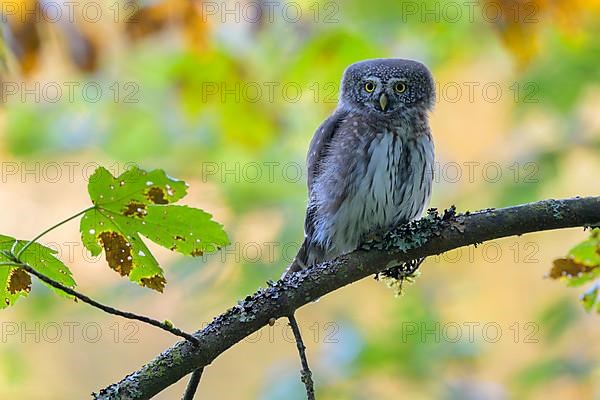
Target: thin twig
{"points": [[190, 391], [105, 308], [305, 374]]}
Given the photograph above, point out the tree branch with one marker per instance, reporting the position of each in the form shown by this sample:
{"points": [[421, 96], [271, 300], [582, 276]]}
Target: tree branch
{"points": [[431, 235]]}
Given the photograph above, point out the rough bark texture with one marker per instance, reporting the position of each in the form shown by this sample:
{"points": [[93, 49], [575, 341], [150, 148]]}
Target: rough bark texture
{"points": [[431, 235]]}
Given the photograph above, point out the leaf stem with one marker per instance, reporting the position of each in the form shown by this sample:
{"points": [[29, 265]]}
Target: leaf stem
{"points": [[105, 308], [32, 241]]}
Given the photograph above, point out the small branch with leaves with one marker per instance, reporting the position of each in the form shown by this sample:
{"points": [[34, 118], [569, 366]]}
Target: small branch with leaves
{"points": [[166, 326], [124, 208]]}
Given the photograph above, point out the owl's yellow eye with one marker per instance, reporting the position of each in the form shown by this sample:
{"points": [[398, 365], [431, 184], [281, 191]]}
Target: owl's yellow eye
{"points": [[400, 87], [369, 86]]}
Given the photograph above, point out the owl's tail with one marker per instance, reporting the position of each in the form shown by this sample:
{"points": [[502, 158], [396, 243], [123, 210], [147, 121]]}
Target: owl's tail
{"points": [[300, 261]]}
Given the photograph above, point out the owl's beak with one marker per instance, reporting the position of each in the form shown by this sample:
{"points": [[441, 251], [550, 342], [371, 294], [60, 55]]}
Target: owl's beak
{"points": [[383, 101]]}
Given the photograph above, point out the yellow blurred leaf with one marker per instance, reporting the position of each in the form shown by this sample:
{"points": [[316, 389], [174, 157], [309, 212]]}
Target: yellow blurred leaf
{"points": [[25, 41], [519, 22]]}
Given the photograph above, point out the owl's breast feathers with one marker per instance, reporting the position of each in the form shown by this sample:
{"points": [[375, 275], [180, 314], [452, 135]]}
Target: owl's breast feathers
{"points": [[366, 176]]}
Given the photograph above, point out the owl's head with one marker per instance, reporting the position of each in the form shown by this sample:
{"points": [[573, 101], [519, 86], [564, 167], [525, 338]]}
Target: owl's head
{"points": [[386, 86]]}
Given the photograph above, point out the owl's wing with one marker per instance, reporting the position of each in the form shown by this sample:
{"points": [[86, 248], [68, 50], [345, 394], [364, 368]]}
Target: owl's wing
{"points": [[316, 154], [319, 144]]}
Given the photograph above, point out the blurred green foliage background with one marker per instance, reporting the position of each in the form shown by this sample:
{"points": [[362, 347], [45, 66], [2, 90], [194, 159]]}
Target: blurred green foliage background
{"points": [[227, 97]]}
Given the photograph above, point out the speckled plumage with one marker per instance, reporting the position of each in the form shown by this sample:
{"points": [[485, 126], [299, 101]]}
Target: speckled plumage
{"points": [[370, 164]]}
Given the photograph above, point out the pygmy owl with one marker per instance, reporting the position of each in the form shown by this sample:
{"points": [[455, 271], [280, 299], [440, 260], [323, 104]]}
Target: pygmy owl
{"points": [[370, 164]]}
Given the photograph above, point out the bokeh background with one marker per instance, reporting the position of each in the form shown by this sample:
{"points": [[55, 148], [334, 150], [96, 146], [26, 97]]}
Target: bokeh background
{"points": [[227, 95]]}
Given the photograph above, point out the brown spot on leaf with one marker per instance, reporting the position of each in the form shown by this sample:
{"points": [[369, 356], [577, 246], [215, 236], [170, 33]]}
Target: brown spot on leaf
{"points": [[135, 209], [156, 195], [180, 238], [567, 267], [197, 253], [157, 282], [118, 253], [19, 281]]}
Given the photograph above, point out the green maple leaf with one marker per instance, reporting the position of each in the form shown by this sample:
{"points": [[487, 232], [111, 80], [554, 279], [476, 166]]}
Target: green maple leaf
{"points": [[590, 299], [139, 203], [15, 282], [581, 266]]}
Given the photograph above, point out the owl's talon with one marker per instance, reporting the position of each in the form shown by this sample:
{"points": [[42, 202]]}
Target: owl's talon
{"points": [[374, 237]]}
